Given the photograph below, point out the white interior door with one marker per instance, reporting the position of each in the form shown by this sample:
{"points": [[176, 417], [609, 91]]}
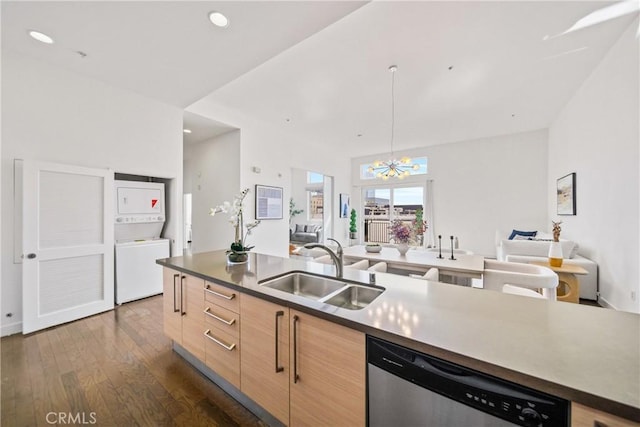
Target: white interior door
{"points": [[67, 269]]}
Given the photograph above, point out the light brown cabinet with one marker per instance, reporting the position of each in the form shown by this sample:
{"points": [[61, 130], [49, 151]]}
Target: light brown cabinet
{"points": [[265, 355], [183, 301], [583, 416], [222, 332], [328, 365], [301, 369]]}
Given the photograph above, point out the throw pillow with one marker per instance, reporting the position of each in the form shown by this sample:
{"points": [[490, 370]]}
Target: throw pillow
{"points": [[515, 233], [300, 228]]}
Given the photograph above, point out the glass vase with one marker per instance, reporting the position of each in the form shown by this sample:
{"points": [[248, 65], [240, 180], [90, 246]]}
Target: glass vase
{"points": [[403, 248], [555, 254]]}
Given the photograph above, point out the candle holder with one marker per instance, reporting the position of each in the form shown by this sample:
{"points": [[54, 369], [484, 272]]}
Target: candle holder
{"points": [[440, 247], [452, 257]]}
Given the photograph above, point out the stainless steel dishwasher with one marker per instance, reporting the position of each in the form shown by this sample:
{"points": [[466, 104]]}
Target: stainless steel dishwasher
{"points": [[407, 388]]}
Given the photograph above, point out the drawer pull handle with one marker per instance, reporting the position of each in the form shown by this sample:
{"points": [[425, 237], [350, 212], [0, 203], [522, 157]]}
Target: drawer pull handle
{"points": [[219, 294], [220, 319], [220, 343]]}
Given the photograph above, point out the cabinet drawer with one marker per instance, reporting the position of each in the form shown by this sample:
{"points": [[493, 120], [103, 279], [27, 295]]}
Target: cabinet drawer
{"points": [[223, 355], [222, 296], [222, 319]]}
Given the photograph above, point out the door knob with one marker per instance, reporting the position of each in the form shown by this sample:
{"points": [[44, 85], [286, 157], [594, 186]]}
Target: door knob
{"points": [[31, 256]]}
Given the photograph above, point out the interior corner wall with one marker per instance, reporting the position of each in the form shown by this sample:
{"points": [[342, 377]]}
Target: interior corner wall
{"points": [[275, 148], [212, 176], [482, 186], [596, 136], [50, 114]]}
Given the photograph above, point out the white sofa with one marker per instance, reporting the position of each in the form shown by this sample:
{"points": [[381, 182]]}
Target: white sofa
{"points": [[525, 251]]}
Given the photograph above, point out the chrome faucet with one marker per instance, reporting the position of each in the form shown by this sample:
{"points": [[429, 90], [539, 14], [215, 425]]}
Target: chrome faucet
{"points": [[336, 257]]}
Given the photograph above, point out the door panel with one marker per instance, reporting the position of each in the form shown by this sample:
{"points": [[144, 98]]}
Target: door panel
{"points": [[67, 243]]}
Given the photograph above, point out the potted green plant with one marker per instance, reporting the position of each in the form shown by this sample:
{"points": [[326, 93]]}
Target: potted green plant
{"points": [[293, 211], [353, 227]]}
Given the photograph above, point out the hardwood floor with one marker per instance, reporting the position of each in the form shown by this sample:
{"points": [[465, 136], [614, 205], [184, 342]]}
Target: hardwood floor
{"points": [[113, 369]]}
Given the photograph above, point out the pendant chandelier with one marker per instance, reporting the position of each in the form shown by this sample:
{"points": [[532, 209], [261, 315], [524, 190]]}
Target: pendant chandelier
{"points": [[393, 168]]}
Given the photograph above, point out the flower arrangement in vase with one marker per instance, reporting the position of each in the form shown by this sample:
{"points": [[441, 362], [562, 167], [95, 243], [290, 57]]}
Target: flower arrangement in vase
{"points": [[237, 252], [402, 235]]}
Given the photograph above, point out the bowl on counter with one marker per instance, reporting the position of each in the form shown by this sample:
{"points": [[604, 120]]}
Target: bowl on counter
{"points": [[373, 248]]}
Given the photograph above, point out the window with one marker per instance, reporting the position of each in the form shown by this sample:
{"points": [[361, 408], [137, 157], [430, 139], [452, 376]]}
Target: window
{"points": [[315, 200], [420, 161], [315, 178], [383, 205]]}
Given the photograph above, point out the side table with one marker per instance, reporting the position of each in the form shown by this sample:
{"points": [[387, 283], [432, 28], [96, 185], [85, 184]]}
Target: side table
{"points": [[568, 285]]}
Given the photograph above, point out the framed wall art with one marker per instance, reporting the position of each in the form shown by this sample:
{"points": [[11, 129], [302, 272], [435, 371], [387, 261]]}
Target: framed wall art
{"points": [[344, 205], [566, 194], [268, 202]]}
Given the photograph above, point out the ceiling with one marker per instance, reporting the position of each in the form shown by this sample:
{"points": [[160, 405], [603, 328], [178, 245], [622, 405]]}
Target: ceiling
{"points": [[466, 70]]}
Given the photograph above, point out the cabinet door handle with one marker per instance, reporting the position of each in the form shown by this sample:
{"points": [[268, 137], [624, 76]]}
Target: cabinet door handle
{"points": [[278, 314], [219, 319], [219, 294], [175, 309], [296, 377], [182, 295], [220, 343]]}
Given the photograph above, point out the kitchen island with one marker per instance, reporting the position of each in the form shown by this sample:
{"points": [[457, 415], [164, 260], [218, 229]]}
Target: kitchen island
{"points": [[587, 355]]}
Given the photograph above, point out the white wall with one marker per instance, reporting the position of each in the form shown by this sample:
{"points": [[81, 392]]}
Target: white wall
{"points": [[481, 186], [53, 115], [212, 176], [276, 148], [596, 135], [299, 195]]}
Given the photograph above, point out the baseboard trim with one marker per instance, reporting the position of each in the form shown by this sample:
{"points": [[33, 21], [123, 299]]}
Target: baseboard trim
{"points": [[13, 328]]}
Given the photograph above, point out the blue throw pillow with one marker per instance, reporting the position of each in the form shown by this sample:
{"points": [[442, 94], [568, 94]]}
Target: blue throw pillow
{"points": [[515, 233]]}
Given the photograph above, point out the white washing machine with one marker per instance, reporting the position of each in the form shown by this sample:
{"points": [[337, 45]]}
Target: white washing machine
{"points": [[137, 274], [139, 218]]}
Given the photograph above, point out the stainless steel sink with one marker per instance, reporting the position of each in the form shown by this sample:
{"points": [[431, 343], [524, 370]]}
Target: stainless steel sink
{"points": [[305, 285], [354, 297]]}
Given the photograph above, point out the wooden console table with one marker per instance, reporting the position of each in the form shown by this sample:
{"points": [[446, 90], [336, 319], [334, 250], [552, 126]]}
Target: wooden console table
{"points": [[568, 285]]}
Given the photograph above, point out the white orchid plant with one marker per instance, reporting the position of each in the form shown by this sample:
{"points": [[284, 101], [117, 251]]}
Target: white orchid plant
{"points": [[236, 218]]}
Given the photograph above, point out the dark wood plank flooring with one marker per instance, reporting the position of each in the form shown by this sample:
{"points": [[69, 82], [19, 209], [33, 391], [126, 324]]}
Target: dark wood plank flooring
{"points": [[113, 369]]}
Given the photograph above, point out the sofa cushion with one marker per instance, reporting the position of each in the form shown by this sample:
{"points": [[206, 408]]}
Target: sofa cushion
{"points": [[300, 228], [515, 233], [537, 248]]}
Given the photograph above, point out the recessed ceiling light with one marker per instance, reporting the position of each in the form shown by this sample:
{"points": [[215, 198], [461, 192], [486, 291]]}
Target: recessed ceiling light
{"points": [[218, 19], [41, 37], [186, 130]]}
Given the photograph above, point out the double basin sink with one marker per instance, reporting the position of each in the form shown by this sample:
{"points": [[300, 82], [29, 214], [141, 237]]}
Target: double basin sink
{"points": [[336, 292]]}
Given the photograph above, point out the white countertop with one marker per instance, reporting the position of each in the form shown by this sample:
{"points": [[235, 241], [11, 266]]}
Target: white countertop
{"points": [[586, 354]]}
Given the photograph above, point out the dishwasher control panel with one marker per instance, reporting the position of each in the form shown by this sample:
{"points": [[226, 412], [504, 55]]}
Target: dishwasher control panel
{"points": [[464, 387]]}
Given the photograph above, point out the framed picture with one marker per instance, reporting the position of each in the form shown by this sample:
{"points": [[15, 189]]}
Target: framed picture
{"points": [[566, 194], [268, 202], [344, 205]]}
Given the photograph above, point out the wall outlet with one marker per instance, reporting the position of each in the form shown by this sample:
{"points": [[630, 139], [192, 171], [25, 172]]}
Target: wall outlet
{"points": [[633, 295]]}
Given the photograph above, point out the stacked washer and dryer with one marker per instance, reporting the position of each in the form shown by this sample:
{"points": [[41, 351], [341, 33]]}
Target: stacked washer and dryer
{"points": [[139, 218]]}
